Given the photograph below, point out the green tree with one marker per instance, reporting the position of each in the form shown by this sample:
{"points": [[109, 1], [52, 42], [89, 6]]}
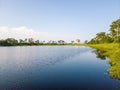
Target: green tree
{"points": [[25, 41], [21, 41], [31, 40], [61, 42], [86, 41], [72, 42], [101, 37], [51, 42], [115, 30], [11, 41]]}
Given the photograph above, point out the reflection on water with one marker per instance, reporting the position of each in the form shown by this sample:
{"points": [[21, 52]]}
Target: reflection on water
{"points": [[114, 61], [53, 68], [100, 54]]}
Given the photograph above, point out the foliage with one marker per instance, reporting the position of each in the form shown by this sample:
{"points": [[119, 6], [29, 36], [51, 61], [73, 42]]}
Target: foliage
{"points": [[113, 36], [8, 42], [112, 51], [29, 41], [115, 30]]}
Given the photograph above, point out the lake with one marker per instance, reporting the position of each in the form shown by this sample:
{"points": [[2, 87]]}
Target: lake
{"points": [[54, 68]]}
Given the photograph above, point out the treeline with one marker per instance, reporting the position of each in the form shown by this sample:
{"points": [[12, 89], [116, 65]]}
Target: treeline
{"points": [[29, 41], [112, 37]]}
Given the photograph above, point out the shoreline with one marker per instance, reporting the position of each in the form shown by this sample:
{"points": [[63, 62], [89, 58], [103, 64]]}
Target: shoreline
{"points": [[112, 51]]}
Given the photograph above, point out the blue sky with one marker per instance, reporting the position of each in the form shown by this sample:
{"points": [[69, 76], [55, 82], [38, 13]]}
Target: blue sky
{"points": [[64, 19]]}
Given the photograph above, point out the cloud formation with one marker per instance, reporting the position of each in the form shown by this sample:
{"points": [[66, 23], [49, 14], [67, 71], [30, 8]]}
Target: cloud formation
{"points": [[24, 32], [19, 32]]}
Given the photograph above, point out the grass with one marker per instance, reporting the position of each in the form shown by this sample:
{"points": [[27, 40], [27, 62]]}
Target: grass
{"points": [[112, 51]]}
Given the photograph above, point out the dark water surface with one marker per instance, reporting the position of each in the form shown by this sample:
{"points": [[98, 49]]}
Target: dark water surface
{"points": [[54, 68]]}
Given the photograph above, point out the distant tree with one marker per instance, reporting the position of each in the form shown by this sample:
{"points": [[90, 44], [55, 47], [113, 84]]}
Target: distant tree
{"points": [[21, 41], [11, 41], [113, 36], [101, 37], [4, 43], [86, 41], [25, 41], [54, 42], [37, 41], [51, 42], [61, 42], [31, 40], [93, 41], [43, 41], [72, 42]]}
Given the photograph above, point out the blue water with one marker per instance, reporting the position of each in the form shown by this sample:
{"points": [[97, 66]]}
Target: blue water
{"points": [[54, 68]]}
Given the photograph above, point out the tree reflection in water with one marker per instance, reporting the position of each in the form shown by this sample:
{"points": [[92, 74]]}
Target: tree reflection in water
{"points": [[114, 61], [100, 54]]}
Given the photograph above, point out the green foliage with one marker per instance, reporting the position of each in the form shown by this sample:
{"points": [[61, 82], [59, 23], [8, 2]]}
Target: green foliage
{"points": [[112, 51], [100, 54], [100, 38], [29, 42], [115, 30], [115, 64], [113, 36], [8, 42], [61, 42], [86, 41]]}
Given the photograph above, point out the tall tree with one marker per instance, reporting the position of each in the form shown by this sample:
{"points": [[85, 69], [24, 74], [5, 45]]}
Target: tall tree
{"points": [[115, 30]]}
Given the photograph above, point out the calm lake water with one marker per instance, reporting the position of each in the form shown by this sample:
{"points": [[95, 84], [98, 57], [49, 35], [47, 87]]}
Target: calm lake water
{"points": [[54, 68]]}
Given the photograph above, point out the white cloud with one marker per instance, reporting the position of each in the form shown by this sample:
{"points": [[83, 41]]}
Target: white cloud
{"points": [[24, 32], [21, 32]]}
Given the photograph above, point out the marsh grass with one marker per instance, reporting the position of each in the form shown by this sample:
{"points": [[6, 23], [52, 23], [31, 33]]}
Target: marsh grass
{"points": [[119, 45], [113, 53]]}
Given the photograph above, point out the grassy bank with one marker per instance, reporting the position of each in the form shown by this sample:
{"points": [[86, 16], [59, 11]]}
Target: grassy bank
{"points": [[112, 51]]}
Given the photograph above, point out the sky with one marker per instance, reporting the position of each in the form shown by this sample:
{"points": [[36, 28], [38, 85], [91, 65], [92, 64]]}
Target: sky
{"points": [[56, 19]]}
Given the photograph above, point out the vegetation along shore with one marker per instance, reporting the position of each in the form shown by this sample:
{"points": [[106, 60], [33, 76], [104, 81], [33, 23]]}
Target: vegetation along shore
{"points": [[112, 52], [109, 45]]}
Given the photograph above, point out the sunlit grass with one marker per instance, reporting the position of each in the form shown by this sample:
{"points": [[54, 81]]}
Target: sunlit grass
{"points": [[113, 53]]}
